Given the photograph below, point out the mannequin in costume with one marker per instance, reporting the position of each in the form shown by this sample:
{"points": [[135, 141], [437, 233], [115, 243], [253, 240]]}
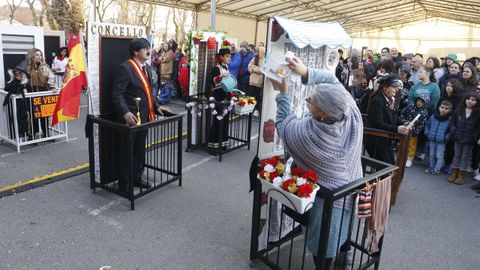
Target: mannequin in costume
{"points": [[40, 78], [219, 72], [134, 80]]}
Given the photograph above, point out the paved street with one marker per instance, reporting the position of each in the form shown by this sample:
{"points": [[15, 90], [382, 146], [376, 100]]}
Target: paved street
{"points": [[205, 224]]}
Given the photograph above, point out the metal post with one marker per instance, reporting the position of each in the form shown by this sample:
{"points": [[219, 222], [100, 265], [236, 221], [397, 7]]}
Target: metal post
{"points": [[212, 13], [15, 122], [256, 32]]}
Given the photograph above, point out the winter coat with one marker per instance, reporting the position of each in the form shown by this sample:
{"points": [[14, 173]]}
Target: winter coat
{"points": [[410, 112], [465, 130], [167, 65], [234, 66], [443, 81], [455, 100], [468, 87], [256, 76], [438, 73], [437, 128], [430, 89], [243, 74], [176, 66]]}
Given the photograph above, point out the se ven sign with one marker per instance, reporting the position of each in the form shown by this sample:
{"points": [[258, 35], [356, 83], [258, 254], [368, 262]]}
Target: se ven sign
{"points": [[44, 106]]}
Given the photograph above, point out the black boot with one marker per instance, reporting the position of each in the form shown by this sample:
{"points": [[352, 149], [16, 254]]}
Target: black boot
{"points": [[476, 186]]}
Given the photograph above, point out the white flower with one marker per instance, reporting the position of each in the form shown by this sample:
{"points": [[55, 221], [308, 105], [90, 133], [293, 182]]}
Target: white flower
{"points": [[234, 99], [225, 111], [219, 117], [269, 168], [277, 181], [214, 112], [212, 105], [232, 103], [199, 114], [211, 99], [301, 181], [190, 104], [206, 106]]}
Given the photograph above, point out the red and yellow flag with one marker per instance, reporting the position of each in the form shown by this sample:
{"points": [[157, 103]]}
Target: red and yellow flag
{"points": [[68, 104]]}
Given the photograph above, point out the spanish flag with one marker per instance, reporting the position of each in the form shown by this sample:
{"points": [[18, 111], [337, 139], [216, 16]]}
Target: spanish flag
{"points": [[68, 104]]}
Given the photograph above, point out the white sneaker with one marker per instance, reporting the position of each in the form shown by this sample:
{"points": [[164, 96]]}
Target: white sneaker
{"points": [[408, 164], [477, 176]]}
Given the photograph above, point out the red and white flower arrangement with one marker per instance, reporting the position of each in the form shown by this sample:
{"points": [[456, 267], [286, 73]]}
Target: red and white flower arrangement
{"points": [[299, 182]]}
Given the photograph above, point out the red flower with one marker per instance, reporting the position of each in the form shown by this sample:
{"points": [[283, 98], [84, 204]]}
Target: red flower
{"points": [[241, 103], [273, 161], [304, 190], [264, 163], [297, 171], [287, 183], [262, 173], [310, 176], [232, 95], [226, 43], [272, 176]]}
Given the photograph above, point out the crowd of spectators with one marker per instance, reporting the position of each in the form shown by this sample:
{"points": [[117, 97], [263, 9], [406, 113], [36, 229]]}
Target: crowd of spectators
{"points": [[444, 92]]}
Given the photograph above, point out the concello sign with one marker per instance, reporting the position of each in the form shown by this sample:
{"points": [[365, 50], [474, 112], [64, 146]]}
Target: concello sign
{"points": [[44, 106]]}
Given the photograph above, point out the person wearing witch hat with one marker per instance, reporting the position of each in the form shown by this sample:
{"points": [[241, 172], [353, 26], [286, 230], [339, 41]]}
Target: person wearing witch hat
{"points": [[220, 72], [132, 84]]}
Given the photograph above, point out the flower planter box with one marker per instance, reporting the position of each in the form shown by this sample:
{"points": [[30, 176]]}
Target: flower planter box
{"points": [[241, 110], [292, 201]]}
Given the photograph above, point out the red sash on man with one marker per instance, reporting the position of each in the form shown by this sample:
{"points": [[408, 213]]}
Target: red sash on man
{"points": [[146, 88]]}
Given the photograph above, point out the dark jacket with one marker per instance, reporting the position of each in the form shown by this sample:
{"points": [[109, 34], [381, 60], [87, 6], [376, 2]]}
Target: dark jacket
{"points": [[447, 76], [468, 87], [410, 112], [465, 130], [381, 116], [126, 87], [455, 100], [437, 128]]}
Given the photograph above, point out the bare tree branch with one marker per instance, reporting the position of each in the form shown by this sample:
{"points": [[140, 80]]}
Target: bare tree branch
{"points": [[13, 8]]}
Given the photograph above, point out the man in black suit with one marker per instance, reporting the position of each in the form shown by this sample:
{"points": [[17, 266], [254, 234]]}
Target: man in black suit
{"points": [[132, 81]]}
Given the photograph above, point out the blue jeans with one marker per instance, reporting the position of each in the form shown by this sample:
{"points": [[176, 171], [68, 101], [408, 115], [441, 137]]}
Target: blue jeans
{"points": [[437, 151]]}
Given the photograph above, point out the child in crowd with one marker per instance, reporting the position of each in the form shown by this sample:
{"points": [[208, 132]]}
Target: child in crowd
{"points": [[438, 134], [465, 133], [419, 107], [453, 92]]}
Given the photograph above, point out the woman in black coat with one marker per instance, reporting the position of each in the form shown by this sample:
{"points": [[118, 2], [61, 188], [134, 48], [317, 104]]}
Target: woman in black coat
{"points": [[382, 115]]}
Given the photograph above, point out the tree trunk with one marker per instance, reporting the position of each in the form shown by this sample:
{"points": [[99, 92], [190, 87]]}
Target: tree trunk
{"points": [[167, 19], [48, 11], [34, 12], [13, 8]]}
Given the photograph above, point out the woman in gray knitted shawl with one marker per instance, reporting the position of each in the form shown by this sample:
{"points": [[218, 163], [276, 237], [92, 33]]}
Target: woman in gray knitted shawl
{"points": [[328, 141]]}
